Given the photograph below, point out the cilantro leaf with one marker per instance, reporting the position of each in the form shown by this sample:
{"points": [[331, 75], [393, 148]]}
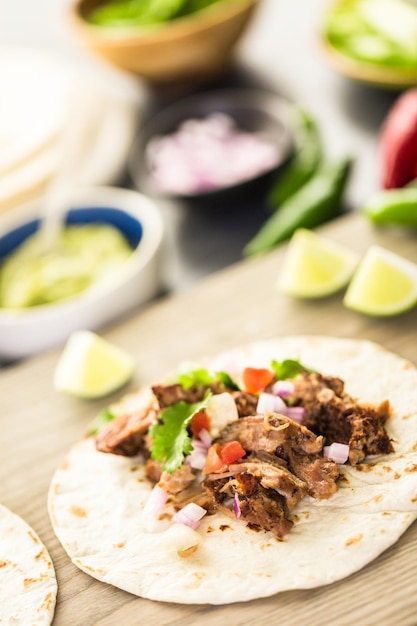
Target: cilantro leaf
{"points": [[202, 376], [289, 368], [100, 421], [227, 381], [199, 376], [171, 441]]}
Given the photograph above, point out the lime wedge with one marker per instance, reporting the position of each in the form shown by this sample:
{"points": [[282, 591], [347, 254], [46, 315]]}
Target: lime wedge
{"points": [[383, 284], [91, 367], [315, 266]]}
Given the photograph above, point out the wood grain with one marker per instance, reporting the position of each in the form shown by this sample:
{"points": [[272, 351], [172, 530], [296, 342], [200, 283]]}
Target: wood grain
{"points": [[235, 306]]}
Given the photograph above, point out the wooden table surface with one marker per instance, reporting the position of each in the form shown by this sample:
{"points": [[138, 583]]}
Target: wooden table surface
{"points": [[237, 305]]}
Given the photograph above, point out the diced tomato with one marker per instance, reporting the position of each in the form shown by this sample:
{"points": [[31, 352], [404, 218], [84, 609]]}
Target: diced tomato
{"points": [[214, 462], [221, 455], [200, 421], [256, 379], [231, 451]]}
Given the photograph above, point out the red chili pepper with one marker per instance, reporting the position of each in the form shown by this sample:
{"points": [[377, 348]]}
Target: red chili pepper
{"points": [[398, 142], [256, 379]]}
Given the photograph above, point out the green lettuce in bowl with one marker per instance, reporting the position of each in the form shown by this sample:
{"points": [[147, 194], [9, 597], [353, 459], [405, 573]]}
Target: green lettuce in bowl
{"points": [[114, 13]]}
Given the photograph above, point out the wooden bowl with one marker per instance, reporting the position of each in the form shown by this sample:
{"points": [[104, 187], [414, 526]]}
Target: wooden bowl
{"points": [[186, 49], [395, 78], [377, 75]]}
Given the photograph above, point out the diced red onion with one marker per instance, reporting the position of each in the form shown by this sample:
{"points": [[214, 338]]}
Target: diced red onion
{"points": [[296, 413], [196, 459], [156, 502], [236, 506], [198, 455], [205, 438], [208, 153], [221, 410], [280, 406], [190, 515], [268, 402], [339, 452], [199, 446], [283, 388]]}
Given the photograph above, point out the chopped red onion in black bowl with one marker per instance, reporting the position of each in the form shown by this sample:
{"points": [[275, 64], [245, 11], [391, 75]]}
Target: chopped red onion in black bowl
{"points": [[208, 153], [212, 144]]}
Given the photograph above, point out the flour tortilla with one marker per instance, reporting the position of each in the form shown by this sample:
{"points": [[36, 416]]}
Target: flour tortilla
{"points": [[37, 87], [35, 90], [28, 585], [96, 499]]}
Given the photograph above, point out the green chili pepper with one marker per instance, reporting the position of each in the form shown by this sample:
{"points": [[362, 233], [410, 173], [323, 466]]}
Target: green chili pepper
{"points": [[393, 206], [307, 157], [316, 202]]}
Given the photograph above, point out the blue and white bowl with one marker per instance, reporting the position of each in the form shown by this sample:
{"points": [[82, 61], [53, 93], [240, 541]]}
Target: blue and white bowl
{"points": [[24, 332]]}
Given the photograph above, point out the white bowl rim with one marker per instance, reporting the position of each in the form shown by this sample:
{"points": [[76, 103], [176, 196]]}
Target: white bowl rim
{"points": [[134, 203]]}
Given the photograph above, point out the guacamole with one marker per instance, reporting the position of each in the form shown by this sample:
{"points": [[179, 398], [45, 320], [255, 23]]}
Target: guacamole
{"points": [[83, 255]]}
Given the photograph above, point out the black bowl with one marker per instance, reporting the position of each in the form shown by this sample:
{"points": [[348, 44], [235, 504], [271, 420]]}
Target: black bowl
{"points": [[252, 110]]}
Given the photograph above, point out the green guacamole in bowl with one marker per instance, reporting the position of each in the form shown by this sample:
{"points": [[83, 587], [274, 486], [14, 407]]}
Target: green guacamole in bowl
{"points": [[82, 255]]}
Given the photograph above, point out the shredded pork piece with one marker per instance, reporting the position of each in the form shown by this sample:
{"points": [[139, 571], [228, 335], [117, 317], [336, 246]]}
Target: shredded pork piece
{"points": [[268, 432], [368, 435], [339, 418], [125, 435], [194, 493], [319, 474], [178, 480], [246, 403], [284, 465], [260, 507], [272, 473], [167, 395], [153, 470]]}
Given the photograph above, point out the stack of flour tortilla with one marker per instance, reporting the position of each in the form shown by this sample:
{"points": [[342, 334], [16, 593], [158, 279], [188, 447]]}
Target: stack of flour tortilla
{"points": [[36, 92]]}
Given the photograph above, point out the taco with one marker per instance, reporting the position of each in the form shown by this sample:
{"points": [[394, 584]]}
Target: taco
{"points": [[28, 584], [284, 464]]}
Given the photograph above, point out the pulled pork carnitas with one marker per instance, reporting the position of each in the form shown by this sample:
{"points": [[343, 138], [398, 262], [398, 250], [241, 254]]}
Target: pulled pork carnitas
{"points": [[260, 445]]}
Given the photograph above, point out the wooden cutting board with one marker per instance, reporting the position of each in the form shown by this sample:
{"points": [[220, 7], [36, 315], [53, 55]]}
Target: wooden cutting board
{"points": [[235, 306]]}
